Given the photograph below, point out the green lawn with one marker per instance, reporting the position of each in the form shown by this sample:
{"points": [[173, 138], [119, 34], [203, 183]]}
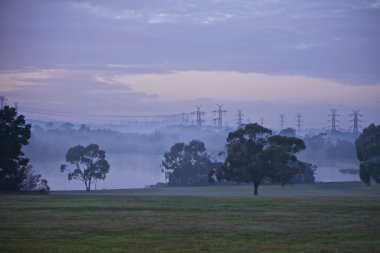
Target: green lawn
{"points": [[338, 217]]}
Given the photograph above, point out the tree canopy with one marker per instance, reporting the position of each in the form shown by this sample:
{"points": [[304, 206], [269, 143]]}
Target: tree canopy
{"points": [[368, 153], [187, 164], [254, 154], [15, 172], [89, 163]]}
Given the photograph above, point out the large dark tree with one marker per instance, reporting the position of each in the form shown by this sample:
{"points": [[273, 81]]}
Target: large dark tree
{"points": [[14, 133], [15, 172], [89, 163], [254, 154], [187, 164], [368, 152]]}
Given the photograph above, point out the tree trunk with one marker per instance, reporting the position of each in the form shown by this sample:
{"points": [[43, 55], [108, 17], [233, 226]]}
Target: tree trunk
{"points": [[255, 186], [87, 186]]}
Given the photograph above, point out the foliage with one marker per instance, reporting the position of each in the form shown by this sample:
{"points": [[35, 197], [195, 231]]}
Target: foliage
{"points": [[33, 182], [67, 126], [15, 171], [307, 176], [324, 149], [89, 163], [187, 164], [343, 150], [254, 154], [290, 132], [368, 153]]}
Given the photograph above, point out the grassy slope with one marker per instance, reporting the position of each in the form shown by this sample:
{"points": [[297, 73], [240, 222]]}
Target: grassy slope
{"points": [[340, 217]]}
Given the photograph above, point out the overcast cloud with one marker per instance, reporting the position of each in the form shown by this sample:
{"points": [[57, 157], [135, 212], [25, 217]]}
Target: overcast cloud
{"points": [[330, 39], [67, 53]]}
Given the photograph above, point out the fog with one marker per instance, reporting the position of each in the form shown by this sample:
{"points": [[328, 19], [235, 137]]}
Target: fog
{"points": [[135, 156], [127, 171]]}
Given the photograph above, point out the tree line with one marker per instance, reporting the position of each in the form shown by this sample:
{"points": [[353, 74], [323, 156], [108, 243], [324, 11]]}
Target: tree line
{"points": [[253, 154]]}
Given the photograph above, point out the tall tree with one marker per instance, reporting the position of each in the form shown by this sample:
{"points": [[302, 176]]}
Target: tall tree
{"points": [[15, 172], [14, 133], [368, 153], [187, 164], [89, 163], [254, 154]]}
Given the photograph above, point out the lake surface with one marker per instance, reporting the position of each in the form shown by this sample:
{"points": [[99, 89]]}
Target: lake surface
{"points": [[137, 171]]}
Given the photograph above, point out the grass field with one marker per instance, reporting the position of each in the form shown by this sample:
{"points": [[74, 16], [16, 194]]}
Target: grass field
{"points": [[330, 217]]}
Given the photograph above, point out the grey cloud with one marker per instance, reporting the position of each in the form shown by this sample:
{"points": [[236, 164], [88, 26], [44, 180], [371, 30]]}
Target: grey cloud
{"points": [[82, 90], [330, 39]]}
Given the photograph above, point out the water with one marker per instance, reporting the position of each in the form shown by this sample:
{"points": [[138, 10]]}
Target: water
{"points": [[127, 171], [332, 174], [137, 171]]}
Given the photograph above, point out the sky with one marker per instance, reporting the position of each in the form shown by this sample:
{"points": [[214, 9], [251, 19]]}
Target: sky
{"points": [[138, 57]]}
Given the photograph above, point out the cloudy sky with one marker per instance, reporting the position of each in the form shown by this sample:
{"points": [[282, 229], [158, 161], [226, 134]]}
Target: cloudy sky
{"points": [[137, 57]]}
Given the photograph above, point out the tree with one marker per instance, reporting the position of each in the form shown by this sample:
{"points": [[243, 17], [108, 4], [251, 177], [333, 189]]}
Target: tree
{"points": [[67, 126], [368, 153], [15, 172], [254, 154], [89, 163], [342, 151], [187, 164], [281, 160], [83, 128], [291, 132], [34, 183]]}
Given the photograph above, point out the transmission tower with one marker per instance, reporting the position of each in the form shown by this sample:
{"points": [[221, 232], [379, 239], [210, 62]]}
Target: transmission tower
{"points": [[355, 120], [239, 119], [184, 118], [262, 121], [299, 121], [333, 120], [2, 101], [220, 116], [199, 114], [282, 121], [16, 106]]}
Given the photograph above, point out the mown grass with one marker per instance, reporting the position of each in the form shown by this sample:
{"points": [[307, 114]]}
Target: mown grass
{"points": [[310, 218]]}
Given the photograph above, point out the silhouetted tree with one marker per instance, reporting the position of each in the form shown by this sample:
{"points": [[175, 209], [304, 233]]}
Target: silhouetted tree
{"points": [[33, 182], [83, 128], [290, 132], [307, 176], [187, 164], [49, 125], [280, 157], [89, 163], [368, 152], [254, 154], [15, 172], [67, 126], [343, 150]]}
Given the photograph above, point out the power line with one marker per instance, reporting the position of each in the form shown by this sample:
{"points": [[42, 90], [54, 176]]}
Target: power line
{"points": [[262, 121], [199, 114], [220, 112], [282, 121], [2, 101], [299, 121], [240, 118], [61, 113], [334, 120], [355, 120]]}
